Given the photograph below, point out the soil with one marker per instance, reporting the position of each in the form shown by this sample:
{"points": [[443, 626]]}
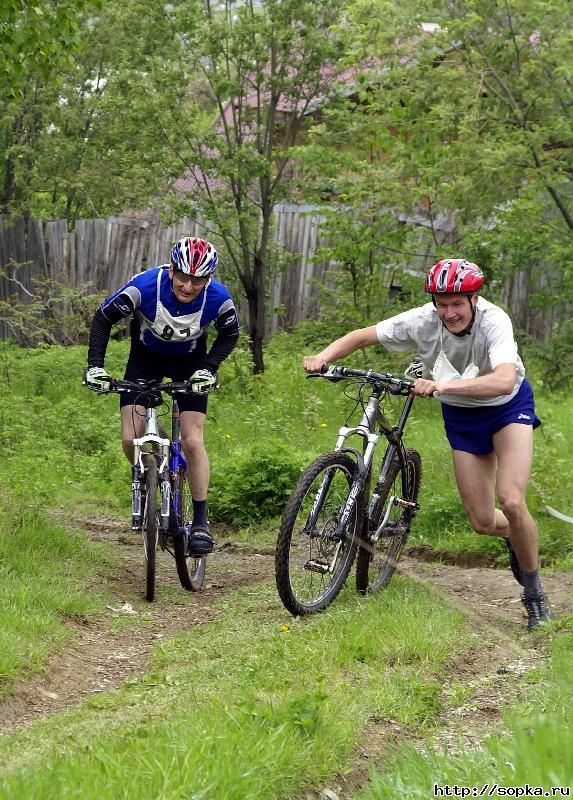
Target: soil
{"points": [[103, 653]]}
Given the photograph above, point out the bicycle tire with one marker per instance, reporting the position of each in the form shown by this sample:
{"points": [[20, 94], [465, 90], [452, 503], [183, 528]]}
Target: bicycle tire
{"points": [[190, 569], [377, 561], [150, 523], [301, 556]]}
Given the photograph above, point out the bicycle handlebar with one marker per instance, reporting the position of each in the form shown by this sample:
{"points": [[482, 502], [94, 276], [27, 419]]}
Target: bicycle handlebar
{"points": [[394, 384], [142, 386]]}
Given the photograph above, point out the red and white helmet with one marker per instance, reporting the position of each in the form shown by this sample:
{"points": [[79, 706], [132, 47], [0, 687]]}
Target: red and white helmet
{"points": [[452, 276], [193, 256]]}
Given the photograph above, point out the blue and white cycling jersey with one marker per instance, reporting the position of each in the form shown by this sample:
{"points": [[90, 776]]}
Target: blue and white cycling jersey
{"points": [[165, 324]]}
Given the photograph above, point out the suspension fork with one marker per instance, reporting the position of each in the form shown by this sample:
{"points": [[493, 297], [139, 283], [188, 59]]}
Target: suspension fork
{"points": [[153, 438]]}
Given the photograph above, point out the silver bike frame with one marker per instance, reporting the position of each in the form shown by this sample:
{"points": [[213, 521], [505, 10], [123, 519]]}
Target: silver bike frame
{"points": [[161, 446], [364, 429]]}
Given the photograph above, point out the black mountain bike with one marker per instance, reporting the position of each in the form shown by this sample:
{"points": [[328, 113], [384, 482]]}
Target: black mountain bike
{"points": [[333, 512], [161, 500]]}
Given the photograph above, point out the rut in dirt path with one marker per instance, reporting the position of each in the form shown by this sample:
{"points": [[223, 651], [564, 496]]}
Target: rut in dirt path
{"points": [[106, 650], [490, 671]]}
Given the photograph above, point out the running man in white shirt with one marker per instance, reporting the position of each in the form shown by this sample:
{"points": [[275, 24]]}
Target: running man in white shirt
{"points": [[471, 364]]}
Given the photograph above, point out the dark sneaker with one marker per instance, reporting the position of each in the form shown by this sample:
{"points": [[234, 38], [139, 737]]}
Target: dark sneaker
{"points": [[514, 563], [199, 541], [538, 611]]}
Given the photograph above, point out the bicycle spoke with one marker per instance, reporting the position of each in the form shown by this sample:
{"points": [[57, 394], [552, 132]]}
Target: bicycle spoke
{"points": [[314, 550], [150, 523], [190, 569]]}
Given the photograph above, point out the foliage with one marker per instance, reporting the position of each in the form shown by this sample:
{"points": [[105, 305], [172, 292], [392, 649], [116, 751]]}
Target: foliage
{"points": [[39, 41], [50, 312], [260, 431], [461, 126], [555, 357], [37, 38], [262, 66], [82, 133], [255, 483]]}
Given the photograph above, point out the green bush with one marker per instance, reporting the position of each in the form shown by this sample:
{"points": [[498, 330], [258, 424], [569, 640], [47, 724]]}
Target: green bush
{"points": [[254, 483]]}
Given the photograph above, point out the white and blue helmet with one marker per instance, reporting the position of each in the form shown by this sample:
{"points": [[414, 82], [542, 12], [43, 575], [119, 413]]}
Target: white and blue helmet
{"points": [[193, 256]]}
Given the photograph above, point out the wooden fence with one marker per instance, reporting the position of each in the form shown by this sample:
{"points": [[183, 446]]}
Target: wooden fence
{"points": [[105, 253]]}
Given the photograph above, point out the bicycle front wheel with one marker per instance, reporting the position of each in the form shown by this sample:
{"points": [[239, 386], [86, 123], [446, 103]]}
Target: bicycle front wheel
{"points": [[190, 569], [313, 555], [377, 561], [150, 523]]}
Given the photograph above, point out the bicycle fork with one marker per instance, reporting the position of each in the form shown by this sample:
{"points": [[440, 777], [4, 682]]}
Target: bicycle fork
{"points": [[141, 447], [336, 536]]}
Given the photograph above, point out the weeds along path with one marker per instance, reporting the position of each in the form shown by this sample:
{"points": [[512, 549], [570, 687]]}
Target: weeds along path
{"points": [[115, 645]]}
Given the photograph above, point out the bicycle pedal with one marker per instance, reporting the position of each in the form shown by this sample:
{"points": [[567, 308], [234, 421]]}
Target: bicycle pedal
{"points": [[412, 505], [317, 566]]}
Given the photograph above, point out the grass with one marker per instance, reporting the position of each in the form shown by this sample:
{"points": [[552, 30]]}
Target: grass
{"points": [[257, 447], [250, 705], [280, 423], [536, 750], [44, 572]]}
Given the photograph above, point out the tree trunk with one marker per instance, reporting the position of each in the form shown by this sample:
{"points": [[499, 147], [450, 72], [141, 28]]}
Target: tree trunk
{"points": [[256, 327]]}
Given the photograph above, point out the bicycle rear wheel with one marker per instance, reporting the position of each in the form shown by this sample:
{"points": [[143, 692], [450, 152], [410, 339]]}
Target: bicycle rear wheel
{"points": [[190, 569], [150, 523], [313, 557], [377, 561]]}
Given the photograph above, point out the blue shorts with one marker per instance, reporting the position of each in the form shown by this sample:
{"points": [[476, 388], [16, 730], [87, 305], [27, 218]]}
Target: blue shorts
{"points": [[472, 429]]}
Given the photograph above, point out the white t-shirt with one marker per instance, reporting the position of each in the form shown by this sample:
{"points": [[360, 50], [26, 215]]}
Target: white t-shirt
{"points": [[489, 344]]}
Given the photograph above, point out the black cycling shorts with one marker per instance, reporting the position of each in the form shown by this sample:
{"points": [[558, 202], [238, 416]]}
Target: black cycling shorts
{"points": [[146, 364]]}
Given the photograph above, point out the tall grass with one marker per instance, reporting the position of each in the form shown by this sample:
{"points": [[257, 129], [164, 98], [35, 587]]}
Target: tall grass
{"points": [[44, 571], [254, 704], [256, 423]]}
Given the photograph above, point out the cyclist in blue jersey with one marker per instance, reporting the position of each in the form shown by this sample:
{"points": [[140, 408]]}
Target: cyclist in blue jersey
{"points": [[171, 306]]}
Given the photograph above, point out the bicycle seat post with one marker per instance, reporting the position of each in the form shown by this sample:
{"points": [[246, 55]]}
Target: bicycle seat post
{"points": [[175, 429]]}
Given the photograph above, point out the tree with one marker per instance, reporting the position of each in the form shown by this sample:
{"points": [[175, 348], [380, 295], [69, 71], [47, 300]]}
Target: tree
{"points": [[263, 67], [79, 123], [38, 41], [468, 112]]}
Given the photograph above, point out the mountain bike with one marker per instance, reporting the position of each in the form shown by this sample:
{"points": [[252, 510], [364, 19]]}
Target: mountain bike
{"points": [[333, 513], [160, 496]]}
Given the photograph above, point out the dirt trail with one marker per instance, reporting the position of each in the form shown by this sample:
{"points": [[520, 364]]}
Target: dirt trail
{"points": [[104, 652]]}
